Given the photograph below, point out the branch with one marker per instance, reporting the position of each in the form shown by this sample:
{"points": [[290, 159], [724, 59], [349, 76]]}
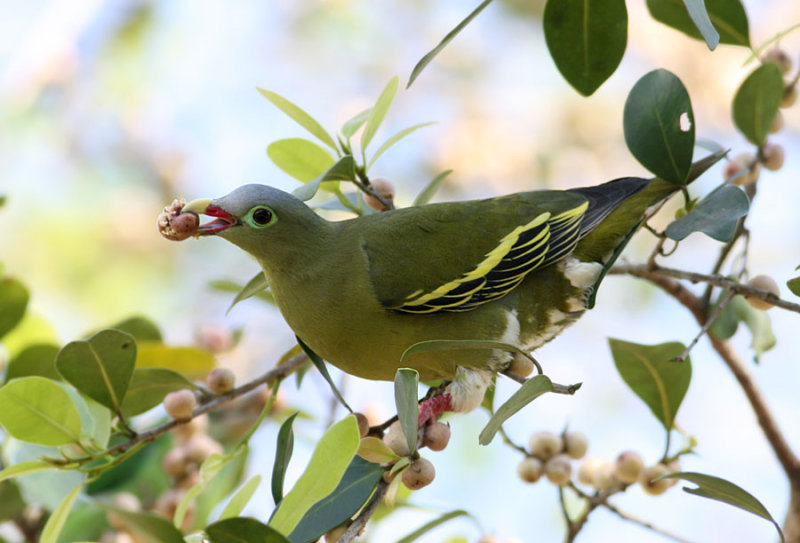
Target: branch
{"points": [[644, 523], [279, 372], [717, 280], [357, 526], [663, 278]]}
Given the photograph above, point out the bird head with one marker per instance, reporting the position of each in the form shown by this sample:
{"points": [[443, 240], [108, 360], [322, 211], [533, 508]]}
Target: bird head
{"points": [[264, 221]]}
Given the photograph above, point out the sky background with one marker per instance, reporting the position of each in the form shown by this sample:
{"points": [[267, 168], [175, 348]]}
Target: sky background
{"points": [[108, 110]]}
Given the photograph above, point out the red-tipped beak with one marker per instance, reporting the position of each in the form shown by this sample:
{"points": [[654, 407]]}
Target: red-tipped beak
{"points": [[223, 220]]}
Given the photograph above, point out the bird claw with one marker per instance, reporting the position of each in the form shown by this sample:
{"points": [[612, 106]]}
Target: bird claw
{"points": [[431, 408]]}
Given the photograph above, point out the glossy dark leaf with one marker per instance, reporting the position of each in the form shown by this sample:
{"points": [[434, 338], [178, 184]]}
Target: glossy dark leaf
{"points": [[653, 375], [532, 389], [717, 215], [659, 125], [34, 360], [587, 39], [756, 102], [424, 61], [101, 367], [13, 301], [320, 365], [724, 491], [728, 17], [243, 530], [283, 454], [406, 386], [357, 485], [149, 386]]}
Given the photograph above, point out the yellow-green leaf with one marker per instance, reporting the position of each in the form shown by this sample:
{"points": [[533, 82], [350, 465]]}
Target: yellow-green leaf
{"points": [[58, 517], [375, 450], [189, 361], [39, 410]]}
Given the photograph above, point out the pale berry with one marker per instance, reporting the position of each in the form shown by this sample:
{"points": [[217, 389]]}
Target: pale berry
{"points": [[419, 474], [530, 469], [576, 444], [773, 156], [545, 445], [385, 188], [558, 469], [763, 282], [436, 436], [180, 404], [628, 467], [650, 486], [396, 440], [221, 380]]}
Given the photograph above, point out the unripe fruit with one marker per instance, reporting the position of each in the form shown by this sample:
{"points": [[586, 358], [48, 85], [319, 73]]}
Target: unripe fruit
{"points": [[545, 445], [558, 469], [521, 365], [576, 444], [764, 282], [419, 474], [628, 467], [789, 96], [604, 477], [197, 425], [777, 124], [177, 226], [736, 170], [201, 446], [773, 156], [175, 462], [779, 57], [180, 404], [588, 469], [530, 469], [221, 381], [436, 436], [385, 188], [335, 534], [363, 424], [649, 473], [674, 467], [214, 338], [395, 439]]}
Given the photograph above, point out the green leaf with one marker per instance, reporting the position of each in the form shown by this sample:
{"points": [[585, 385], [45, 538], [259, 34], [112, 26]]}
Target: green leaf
{"points": [[430, 190], [192, 362], [148, 526], [302, 159], [659, 125], [331, 457], [38, 410], [586, 39], [699, 15], [532, 389], [12, 504], [224, 285], [724, 491], [375, 450], [357, 485], [95, 421], [759, 324], [320, 365], [435, 523], [58, 517], [424, 61], [209, 469], [794, 285], [101, 367], [239, 500], [717, 215], [243, 530], [141, 328], [406, 385], [378, 112], [148, 387], [394, 139], [351, 126], [343, 170], [24, 468], [254, 286], [283, 454], [757, 101], [652, 374], [34, 360], [299, 116], [13, 301], [728, 17]]}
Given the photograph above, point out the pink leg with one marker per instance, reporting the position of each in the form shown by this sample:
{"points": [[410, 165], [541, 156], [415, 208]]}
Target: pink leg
{"points": [[433, 407]]}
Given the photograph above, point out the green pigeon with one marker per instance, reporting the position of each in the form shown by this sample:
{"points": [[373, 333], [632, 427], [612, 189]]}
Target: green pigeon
{"points": [[517, 269]]}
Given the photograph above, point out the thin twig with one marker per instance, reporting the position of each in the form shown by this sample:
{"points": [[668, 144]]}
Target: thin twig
{"points": [[644, 523], [564, 511], [704, 329], [366, 513], [642, 270], [279, 372]]}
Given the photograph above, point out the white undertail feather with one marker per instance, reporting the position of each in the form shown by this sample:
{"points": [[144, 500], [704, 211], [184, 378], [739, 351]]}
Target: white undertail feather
{"points": [[581, 275]]}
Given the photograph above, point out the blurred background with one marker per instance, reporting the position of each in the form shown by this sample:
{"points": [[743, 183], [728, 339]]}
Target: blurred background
{"points": [[110, 109]]}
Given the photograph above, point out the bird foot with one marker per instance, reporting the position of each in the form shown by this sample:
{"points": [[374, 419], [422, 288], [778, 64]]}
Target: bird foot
{"points": [[433, 407]]}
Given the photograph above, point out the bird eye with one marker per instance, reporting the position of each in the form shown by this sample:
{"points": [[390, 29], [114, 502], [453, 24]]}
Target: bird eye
{"points": [[262, 216]]}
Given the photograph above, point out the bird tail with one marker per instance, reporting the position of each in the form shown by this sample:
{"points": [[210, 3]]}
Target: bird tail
{"points": [[621, 206]]}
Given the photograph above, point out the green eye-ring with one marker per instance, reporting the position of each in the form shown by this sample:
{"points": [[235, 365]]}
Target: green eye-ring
{"points": [[260, 217]]}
